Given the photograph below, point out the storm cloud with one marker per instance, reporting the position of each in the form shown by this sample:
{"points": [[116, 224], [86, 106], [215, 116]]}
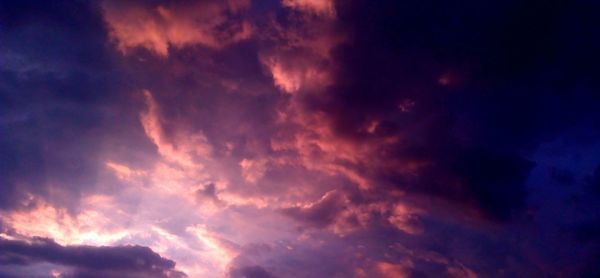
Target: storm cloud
{"points": [[86, 261]]}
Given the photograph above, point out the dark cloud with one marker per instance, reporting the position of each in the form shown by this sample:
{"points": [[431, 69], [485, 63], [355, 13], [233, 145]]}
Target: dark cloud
{"points": [[208, 194], [88, 261], [486, 82], [493, 182]]}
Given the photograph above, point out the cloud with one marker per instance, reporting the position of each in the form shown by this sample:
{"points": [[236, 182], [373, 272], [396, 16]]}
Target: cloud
{"points": [[253, 170], [52, 149], [298, 52], [250, 272], [211, 24], [390, 270], [115, 261], [90, 225], [294, 72], [406, 219], [301, 138], [189, 148], [382, 124], [319, 7], [320, 213]]}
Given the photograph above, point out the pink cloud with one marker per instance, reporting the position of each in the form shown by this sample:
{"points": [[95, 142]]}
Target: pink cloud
{"points": [[90, 225], [253, 170], [156, 28], [187, 147], [394, 270], [291, 74]]}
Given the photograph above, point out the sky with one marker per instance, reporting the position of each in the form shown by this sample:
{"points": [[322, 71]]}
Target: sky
{"points": [[299, 138]]}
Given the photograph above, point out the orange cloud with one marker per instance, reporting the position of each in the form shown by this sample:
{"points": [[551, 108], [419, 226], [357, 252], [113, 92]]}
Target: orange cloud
{"points": [[125, 173], [319, 148], [405, 218], [292, 74], [389, 270], [92, 225], [158, 27]]}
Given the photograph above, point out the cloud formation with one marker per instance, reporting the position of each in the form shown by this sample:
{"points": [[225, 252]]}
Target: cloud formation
{"points": [[158, 27], [299, 138], [85, 261]]}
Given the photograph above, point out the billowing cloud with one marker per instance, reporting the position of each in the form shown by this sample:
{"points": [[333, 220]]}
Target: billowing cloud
{"points": [[158, 27]]}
